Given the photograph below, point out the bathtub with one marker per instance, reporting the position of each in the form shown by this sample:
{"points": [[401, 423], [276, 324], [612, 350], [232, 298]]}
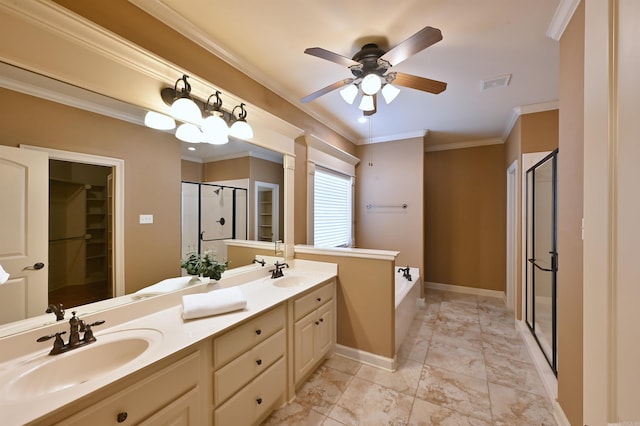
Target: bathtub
{"points": [[407, 294]]}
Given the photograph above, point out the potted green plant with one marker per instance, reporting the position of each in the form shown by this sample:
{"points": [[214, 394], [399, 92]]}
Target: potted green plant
{"points": [[203, 265]]}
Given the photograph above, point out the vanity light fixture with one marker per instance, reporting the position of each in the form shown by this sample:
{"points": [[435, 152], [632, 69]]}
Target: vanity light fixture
{"points": [[216, 126]]}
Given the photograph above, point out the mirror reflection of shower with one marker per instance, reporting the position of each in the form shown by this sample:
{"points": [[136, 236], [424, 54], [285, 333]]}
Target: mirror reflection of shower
{"points": [[212, 213]]}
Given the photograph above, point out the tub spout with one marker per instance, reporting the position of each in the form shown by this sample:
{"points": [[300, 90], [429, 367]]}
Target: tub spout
{"points": [[405, 273]]}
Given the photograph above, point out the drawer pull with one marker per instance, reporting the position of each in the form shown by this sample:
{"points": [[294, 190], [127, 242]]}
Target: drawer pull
{"points": [[122, 416], [259, 362], [259, 401], [317, 322], [258, 332], [319, 299], [321, 319]]}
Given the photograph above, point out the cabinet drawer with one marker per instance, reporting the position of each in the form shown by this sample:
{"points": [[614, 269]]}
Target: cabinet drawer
{"points": [[253, 403], [236, 342], [245, 368], [145, 397], [307, 303]]}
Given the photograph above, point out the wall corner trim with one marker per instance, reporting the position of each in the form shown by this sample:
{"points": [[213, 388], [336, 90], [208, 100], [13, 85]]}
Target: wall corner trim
{"points": [[527, 109], [561, 18]]}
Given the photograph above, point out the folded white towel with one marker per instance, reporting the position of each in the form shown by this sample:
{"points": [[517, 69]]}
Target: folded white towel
{"points": [[4, 276], [212, 303], [164, 286]]}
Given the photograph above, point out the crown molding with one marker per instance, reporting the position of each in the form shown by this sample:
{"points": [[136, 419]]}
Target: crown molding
{"points": [[396, 137], [322, 146], [462, 145], [526, 109], [561, 18]]}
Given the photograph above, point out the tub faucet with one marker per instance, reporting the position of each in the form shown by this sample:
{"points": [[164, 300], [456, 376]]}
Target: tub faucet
{"points": [[277, 271], [261, 261], [56, 308], [405, 273]]}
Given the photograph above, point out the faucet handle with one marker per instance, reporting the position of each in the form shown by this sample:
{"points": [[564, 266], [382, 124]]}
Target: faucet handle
{"points": [[51, 336], [58, 344], [88, 332]]}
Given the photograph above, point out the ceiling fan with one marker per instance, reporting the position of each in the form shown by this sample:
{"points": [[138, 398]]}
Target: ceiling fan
{"points": [[369, 67]]}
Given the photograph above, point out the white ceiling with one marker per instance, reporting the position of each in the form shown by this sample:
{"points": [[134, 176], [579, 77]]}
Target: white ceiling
{"points": [[481, 40]]}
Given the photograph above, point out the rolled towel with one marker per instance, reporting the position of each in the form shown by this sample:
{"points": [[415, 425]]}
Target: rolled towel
{"points": [[212, 303], [4, 275], [164, 286]]}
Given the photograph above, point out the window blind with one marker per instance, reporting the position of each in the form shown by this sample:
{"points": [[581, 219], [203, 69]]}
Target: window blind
{"points": [[333, 209]]}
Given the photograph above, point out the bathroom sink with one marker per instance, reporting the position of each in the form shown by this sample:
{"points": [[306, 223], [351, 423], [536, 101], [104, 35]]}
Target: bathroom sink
{"points": [[46, 374], [291, 280]]}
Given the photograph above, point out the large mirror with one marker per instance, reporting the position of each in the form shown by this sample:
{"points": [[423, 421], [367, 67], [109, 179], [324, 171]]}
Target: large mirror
{"points": [[232, 183]]}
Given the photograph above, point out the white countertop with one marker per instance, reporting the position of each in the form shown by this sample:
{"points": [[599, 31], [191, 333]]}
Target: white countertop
{"points": [[177, 334]]}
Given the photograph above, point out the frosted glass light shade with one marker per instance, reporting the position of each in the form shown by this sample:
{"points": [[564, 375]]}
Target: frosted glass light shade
{"points": [[188, 132], [215, 126], [371, 84], [158, 121], [389, 93], [349, 93], [366, 104], [241, 130], [184, 109]]}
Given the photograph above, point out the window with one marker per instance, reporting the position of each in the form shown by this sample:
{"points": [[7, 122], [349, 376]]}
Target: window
{"points": [[333, 209]]}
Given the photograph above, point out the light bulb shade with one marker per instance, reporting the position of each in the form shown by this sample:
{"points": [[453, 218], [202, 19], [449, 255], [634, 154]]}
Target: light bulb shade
{"points": [[366, 104], [214, 124], [371, 83], [389, 92], [158, 121], [349, 93], [241, 130], [188, 132], [184, 109], [215, 138]]}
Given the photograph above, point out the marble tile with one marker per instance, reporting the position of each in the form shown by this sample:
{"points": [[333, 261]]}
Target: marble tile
{"points": [[464, 394], [464, 337], [457, 359], [405, 379], [295, 414], [450, 296], [366, 403], [514, 407], [323, 389], [331, 422], [425, 413], [515, 374], [451, 325], [508, 347], [413, 349], [343, 364]]}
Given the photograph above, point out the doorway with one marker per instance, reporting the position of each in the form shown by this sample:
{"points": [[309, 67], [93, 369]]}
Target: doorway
{"points": [[541, 255], [80, 233]]}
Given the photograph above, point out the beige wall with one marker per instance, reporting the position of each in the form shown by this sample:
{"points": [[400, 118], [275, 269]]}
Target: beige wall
{"points": [[152, 174], [191, 171], [391, 173], [365, 305], [465, 219], [539, 131], [570, 200], [235, 168]]}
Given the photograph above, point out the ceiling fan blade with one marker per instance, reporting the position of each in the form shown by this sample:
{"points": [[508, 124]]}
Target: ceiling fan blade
{"points": [[419, 83], [375, 106], [330, 56], [414, 44], [325, 90]]}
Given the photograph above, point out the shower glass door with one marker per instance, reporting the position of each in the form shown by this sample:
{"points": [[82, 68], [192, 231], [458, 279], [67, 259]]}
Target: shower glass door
{"points": [[542, 255]]}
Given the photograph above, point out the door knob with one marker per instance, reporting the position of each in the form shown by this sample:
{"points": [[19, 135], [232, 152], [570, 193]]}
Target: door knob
{"points": [[36, 266]]}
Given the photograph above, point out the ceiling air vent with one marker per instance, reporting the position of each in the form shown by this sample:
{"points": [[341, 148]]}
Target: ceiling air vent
{"points": [[492, 83]]}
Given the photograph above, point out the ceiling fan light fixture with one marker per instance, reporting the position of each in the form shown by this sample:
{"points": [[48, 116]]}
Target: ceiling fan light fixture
{"points": [[188, 132], [349, 93], [366, 104], [158, 121], [389, 92], [371, 83]]}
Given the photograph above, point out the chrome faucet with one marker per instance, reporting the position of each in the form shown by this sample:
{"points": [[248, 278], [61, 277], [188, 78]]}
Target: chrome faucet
{"points": [[405, 273], [56, 308], [76, 326], [277, 271]]}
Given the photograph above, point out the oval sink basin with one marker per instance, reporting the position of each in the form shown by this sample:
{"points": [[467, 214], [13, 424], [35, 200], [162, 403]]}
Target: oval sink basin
{"points": [[52, 373], [289, 280]]}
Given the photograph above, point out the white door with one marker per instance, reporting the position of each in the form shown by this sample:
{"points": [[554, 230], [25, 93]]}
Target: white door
{"points": [[24, 232]]}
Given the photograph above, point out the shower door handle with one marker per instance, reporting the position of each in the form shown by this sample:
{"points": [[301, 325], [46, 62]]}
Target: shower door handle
{"points": [[533, 262]]}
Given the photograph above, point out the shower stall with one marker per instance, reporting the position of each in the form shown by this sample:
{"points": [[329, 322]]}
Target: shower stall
{"points": [[212, 213]]}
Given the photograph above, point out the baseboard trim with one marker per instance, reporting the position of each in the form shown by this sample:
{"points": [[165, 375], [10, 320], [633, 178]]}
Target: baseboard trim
{"points": [[467, 290], [389, 364]]}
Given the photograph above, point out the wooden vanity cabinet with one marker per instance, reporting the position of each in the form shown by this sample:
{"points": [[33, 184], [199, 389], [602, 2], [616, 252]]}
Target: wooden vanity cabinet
{"points": [[314, 329], [250, 369], [170, 395]]}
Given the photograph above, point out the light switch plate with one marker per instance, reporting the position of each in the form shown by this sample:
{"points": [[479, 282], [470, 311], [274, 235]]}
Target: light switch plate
{"points": [[146, 218]]}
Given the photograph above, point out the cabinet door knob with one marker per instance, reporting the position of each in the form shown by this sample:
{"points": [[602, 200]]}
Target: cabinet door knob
{"points": [[122, 416], [319, 299], [321, 319], [258, 332], [259, 401], [317, 322], [259, 362]]}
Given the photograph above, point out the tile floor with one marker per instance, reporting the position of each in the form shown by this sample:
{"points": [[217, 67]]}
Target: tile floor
{"points": [[463, 363]]}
